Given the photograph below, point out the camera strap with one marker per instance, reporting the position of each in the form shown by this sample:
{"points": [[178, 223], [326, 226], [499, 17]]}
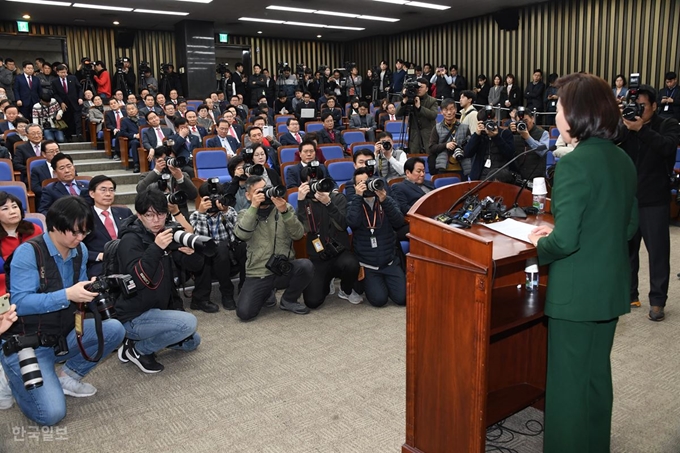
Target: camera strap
{"points": [[80, 317]]}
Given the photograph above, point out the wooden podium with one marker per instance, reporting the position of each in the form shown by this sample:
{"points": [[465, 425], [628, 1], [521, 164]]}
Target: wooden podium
{"points": [[476, 343]]}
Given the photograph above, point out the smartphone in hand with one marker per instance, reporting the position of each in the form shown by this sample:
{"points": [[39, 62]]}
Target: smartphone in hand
{"points": [[4, 303]]}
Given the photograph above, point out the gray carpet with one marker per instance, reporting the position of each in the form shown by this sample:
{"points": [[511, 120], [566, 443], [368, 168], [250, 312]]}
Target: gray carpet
{"points": [[331, 381]]}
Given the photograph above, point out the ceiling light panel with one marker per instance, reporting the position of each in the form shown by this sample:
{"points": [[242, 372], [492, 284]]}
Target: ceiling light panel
{"points": [[292, 10], [428, 5], [333, 13], [378, 18], [154, 11], [264, 21], [42, 2], [104, 7]]}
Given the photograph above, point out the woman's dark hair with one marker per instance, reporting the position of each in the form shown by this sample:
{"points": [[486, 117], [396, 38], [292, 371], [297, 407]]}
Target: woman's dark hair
{"points": [[69, 213], [233, 163], [25, 228], [512, 76], [151, 198], [623, 77], [589, 106], [201, 107], [45, 97], [5, 197]]}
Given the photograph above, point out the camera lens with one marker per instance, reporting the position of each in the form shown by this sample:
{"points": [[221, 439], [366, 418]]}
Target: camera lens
{"points": [[253, 170], [178, 197], [274, 192], [325, 185], [29, 368], [375, 184], [521, 126], [490, 125], [386, 145]]}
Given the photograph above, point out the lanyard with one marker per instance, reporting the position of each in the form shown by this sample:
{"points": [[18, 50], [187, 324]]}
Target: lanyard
{"points": [[310, 219], [372, 226]]}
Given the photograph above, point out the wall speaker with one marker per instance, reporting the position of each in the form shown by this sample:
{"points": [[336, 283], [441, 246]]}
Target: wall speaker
{"points": [[125, 38], [508, 19]]}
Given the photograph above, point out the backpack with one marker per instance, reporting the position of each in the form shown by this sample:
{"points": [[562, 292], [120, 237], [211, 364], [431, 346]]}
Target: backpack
{"points": [[110, 263]]}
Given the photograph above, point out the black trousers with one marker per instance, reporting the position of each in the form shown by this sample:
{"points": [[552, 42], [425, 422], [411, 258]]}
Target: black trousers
{"points": [[256, 290], [72, 117], [345, 266], [218, 267], [653, 229]]}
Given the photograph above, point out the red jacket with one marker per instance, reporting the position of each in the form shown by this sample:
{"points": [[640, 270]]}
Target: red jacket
{"points": [[103, 83], [9, 244]]}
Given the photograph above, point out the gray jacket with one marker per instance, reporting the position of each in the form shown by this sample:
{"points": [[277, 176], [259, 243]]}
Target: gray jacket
{"points": [[421, 124], [7, 82]]}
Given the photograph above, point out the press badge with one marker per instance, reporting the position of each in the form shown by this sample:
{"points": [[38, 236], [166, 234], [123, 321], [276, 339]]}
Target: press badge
{"points": [[487, 164], [318, 246], [553, 104], [666, 108], [374, 242]]}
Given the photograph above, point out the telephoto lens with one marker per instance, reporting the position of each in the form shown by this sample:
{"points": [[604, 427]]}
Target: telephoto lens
{"points": [[177, 162], [521, 126], [325, 185], [458, 153], [374, 184], [202, 244], [253, 169], [274, 192], [178, 197], [29, 368]]}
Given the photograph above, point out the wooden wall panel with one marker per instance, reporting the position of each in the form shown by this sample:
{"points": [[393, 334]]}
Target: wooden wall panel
{"points": [[604, 37]]}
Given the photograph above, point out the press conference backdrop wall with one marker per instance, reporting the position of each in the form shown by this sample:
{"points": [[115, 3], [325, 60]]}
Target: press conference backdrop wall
{"points": [[603, 37]]}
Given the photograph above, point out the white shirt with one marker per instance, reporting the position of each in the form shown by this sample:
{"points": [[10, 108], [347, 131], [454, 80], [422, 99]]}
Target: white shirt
{"points": [[103, 218], [49, 167]]}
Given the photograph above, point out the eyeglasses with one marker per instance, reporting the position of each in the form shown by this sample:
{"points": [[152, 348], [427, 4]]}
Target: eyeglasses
{"points": [[155, 215], [106, 189], [80, 233]]}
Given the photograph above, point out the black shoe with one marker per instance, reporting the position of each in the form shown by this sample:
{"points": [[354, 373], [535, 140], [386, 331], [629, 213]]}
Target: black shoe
{"points": [[122, 350], [147, 363], [295, 307], [136, 169], [206, 306], [228, 302]]}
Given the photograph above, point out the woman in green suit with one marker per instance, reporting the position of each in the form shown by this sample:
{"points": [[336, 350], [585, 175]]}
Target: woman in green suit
{"points": [[593, 202]]}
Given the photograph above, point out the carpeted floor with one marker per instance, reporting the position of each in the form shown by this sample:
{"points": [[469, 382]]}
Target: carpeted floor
{"points": [[331, 381]]}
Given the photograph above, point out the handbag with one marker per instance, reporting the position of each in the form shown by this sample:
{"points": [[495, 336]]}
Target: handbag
{"points": [[60, 124]]}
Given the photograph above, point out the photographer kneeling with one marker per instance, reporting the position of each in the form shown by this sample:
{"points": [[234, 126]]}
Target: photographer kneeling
{"points": [[215, 218], [151, 317], [322, 211], [46, 330], [269, 227]]}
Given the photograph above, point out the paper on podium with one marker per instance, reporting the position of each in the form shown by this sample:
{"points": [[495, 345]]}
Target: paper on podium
{"points": [[512, 228]]}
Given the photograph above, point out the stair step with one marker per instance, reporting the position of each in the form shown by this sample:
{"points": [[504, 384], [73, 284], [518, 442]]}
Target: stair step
{"points": [[121, 176], [99, 166], [83, 154], [74, 146]]}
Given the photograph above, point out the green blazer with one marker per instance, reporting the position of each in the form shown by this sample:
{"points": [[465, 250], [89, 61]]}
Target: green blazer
{"points": [[593, 202]]}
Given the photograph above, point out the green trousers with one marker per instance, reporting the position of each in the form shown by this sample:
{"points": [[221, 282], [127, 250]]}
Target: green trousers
{"points": [[579, 395]]}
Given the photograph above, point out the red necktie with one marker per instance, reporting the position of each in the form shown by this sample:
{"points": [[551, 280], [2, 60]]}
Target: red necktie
{"points": [[392, 117], [63, 83], [118, 119], [72, 190], [30, 82], [193, 128], [331, 134], [108, 224], [160, 135], [232, 132], [297, 137]]}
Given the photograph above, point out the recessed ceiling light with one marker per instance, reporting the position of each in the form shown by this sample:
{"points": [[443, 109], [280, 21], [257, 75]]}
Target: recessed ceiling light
{"points": [[318, 36], [259, 32], [26, 16], [115, 22], [266, 21], [154, 11], [42, 2], [293, 10], [110, 8]]}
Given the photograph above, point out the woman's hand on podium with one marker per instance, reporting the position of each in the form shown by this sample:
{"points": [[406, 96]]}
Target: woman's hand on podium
{"points": [[539, 232]]}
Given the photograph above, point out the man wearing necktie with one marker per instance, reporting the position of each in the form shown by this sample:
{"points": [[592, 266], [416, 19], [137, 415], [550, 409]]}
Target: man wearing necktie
{"points": [[65, 185], [26, 90], [69, 93], [113, 119], [108, 220], [223, 139], [184, 144], [196, 129], [294, 136], [30, 149], [153, 136]]}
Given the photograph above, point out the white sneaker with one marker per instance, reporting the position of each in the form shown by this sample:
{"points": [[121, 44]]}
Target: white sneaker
{"points": [[76, 388], [353, 298], [6, 398], [332, 287]]}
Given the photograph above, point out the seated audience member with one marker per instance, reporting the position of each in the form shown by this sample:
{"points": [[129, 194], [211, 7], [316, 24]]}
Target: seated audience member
{"points": [[20, 135], [373, 218], [11, 114], [184, 144], [213, 110], [129, 128], [329, 134], [113, 119], [364, 122], [390, 161], [174, 97], [46, 113], [170, 116], [235, 129], [282, 105], [108, 221], [14, 231], [241, 110], [237, 117], [213, 219], [354, 107], [43, 171], [182, 108], [204, 118], [490, 150], [195, 128], [66, 184], [294, 136], [237, 187], [150, 106], [323, 213], [256, 137], [390, 115], [296, 100], [154, 136], [160, 102], [269, 227], [257, 155], [267, 140], [153, 318], [531, 165], [47, 316], [169, 179], [30, 149], [223, 139], [334, 110], [264, 111], [407, 192], [446, 136], [306, 104], [307, 152], [95, 114]]}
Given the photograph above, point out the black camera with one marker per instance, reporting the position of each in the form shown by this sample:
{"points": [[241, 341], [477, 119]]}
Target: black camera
{"points": [[165, 68], [201, 244], [222, 68], [631, 109], [324, 185], [273, 192], [178, 197], [458, 153], [521, 124], [374, 184], [253, 169], [278, 265], [331, 249], [282, 66], [215, 189], [386, 145], [144, 67], [177, 162], [120, 64], [411, 92], [487, 116], [109, 287]]}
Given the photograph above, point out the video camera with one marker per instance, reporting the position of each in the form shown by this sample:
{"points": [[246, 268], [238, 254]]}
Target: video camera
{"points": [[165, 68], [144, 67], [411, 91], [489, 209], [201, 244], [631, 109], [222, 68], [282, 66], [300, 70], [87, 68], [216, 194], [120, 64]]}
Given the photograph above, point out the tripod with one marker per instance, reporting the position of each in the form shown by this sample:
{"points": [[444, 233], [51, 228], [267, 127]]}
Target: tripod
{"points": [[88, 85], [163, 85], [121, 84]]}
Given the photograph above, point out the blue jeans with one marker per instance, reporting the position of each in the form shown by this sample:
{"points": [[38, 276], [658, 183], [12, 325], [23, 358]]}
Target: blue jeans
{"points": [[390, 282], [54, 134], [156, 329], [46, 405]]}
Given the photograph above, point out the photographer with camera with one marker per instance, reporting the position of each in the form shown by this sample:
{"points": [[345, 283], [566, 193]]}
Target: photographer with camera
{"points": [[124, 67], [651, 141], [442, 82], [154, 318], [374, 218], [148, 82], [102, 80], [390, 161], [49, 281], [269, 227], [85, 74], [422, 110], [527, 135], [307, 150], [170, 179], [216, 219], [490, 148], [447, 140], [169, 80], [323, 213]]}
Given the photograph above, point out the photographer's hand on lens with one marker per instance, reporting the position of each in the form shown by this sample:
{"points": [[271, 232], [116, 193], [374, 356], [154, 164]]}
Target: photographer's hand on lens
{"points": [[257, 199], [186, 250], [77, 293], [163, 239], [634, 125], [480, 128], [382, 194], [323, 197], [175, 172], [205, 205], [173, 209], [303, 191], [280, 204]]}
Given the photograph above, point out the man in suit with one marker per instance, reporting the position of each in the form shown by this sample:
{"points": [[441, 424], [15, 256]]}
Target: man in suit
{"points": [[305, 104], [194, 127], [238, 79], [43, 171], [11, 114], [150, 106], [223, 139], [30, 149], [391, 116], [170, 116], [112, 120], [108, 220], [153, 136], [409, 191], [307, 158], [66, 183], [329, 134], [184, 144], [68, 92], [235, 129], [129, 128], [293, 136], [364, 122], [26, 90]]}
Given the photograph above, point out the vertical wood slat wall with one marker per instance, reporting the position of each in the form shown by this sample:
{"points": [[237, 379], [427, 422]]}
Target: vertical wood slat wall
{"points": [[603, 37], [154, 47]]}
